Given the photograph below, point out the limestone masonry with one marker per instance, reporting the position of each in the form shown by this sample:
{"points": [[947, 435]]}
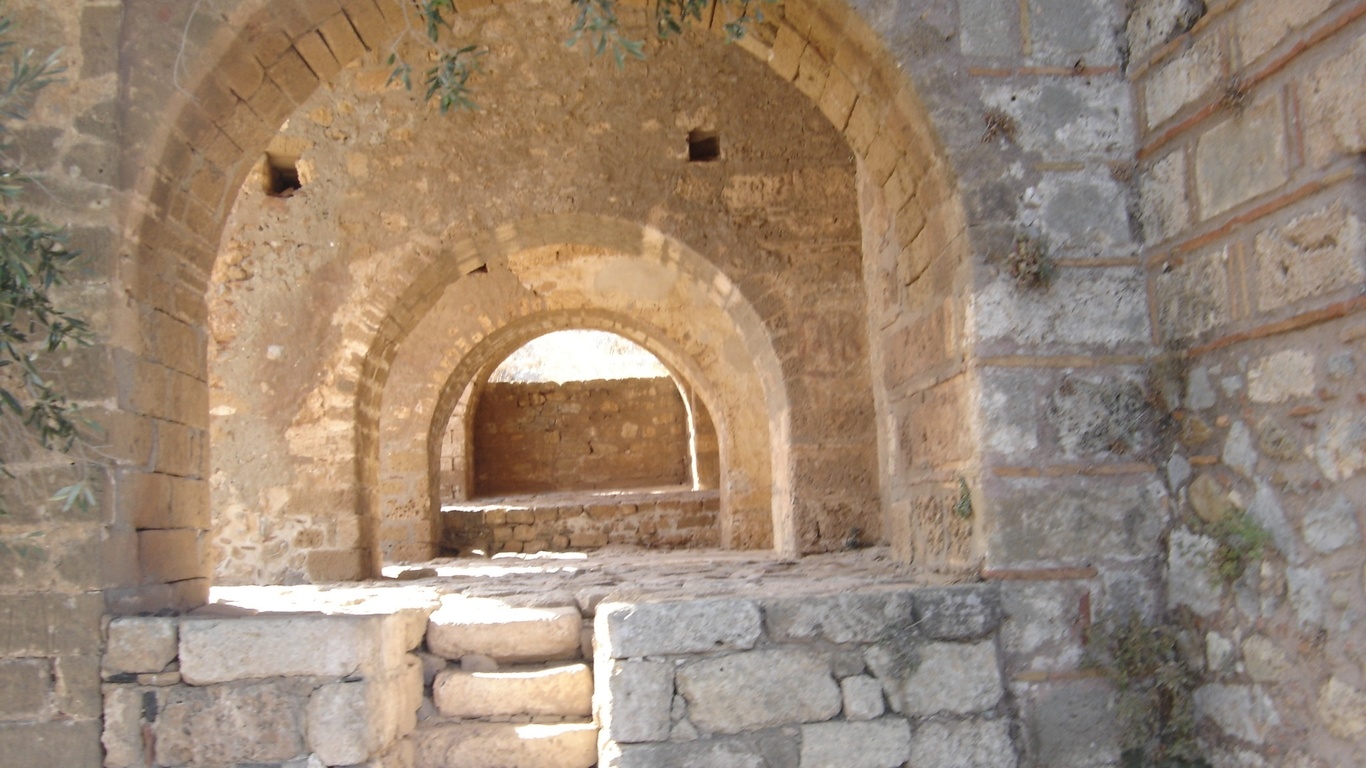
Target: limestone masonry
{"points": [[988, 325]]}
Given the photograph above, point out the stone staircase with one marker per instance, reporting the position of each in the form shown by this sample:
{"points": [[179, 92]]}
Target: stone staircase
{"points": [[513, 689]]}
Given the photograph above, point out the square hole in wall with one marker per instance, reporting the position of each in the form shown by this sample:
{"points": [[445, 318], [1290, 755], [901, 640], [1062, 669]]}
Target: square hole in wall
{"points": [[703, 146], [282, 175]]}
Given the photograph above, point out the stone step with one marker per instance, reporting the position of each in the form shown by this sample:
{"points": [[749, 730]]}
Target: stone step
{"points": [[551, 689], [506, 745], [465, 626]]}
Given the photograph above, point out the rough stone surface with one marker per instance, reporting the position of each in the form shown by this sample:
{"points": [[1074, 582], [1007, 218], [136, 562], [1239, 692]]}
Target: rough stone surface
{"points": [[464, 626], [963, 744], [1241, 158], [957, 613], [636, 704], [863, 699], [1343, 709], [1242, 710], [1264, 660], [760, 750], [1281, 376], [220, 650], [1189, 580], [664, 628], [554, 689], [1331, 525], [256, 722], [138, 644], [884, 743], [571, 745], [952, 678], [1071, 725], [1341, 449], [861, 618], [759, 689], [337, 724]]}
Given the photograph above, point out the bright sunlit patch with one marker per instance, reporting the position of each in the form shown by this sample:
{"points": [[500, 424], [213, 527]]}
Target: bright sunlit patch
{"points": [[579, 356]]}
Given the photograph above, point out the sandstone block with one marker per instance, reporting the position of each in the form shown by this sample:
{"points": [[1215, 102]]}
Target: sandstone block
{"points": [[849, 618], [656, 629], [884, 743], [1281, 376], [962, 612], [952, 677], [639, 697], [1182, 79], [69, 744], [27, 684], [967, 744], [558, 689], [1241, 158], [1342, 709], [1165, 209], [1154, 22], [140, 644], [862, 697], [1334, 114], [760, 689], [508, 745], [464, 626], [1311, 255], [1193, 296]]}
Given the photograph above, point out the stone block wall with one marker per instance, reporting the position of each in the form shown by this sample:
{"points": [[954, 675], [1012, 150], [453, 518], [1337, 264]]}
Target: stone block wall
{"points": [[876, 679], [579, 435], [665, 520], [280, 690], [1252, 202]]}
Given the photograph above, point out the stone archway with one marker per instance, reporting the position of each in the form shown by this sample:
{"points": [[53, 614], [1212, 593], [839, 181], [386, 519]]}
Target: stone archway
{"points": [[912, 225]]}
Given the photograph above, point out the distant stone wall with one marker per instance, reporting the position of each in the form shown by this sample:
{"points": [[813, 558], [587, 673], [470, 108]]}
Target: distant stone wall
{"points": [[674, 520], [579, 435]]}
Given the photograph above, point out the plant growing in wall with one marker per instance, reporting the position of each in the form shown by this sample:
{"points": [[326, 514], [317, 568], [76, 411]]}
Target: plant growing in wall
{"points": [[1156, 686], [595, 24], [34, 258]]}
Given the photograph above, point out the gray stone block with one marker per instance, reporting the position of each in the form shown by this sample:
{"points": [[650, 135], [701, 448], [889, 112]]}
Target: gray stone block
{"points": [[1189, 578], [1072, 725], [964, 744], [963, 612], [1244, 711], [658, 629], [863, 698], [760, 689], [638, 701], [140, 645], [884, 743], [864, 617], [954, 678], [769, 749]]}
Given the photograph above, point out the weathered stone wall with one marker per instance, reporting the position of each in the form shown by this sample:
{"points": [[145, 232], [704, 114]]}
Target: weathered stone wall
{"points": [[660, 520], [281, 689], [579, 435], [866, 680], [1253, 198]]}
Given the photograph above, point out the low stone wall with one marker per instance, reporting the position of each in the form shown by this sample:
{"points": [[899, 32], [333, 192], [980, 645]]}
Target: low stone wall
{"points": [[668, 520], [579, 435], [865, 680], [293, 690]]}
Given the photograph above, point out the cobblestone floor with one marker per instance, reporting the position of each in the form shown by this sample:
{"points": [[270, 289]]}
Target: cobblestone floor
{"points": [[583, 579]]}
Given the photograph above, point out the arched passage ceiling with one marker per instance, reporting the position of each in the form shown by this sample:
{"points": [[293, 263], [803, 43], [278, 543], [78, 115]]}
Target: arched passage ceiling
{"points": [[276, 63]]}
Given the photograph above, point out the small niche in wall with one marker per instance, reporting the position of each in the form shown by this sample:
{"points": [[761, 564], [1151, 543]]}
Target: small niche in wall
{"points": [[703, 146], [282, 175]]}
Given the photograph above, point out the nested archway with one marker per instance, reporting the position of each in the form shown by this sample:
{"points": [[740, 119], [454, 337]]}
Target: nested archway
{"points": [[911, 222], [709, 337]]}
